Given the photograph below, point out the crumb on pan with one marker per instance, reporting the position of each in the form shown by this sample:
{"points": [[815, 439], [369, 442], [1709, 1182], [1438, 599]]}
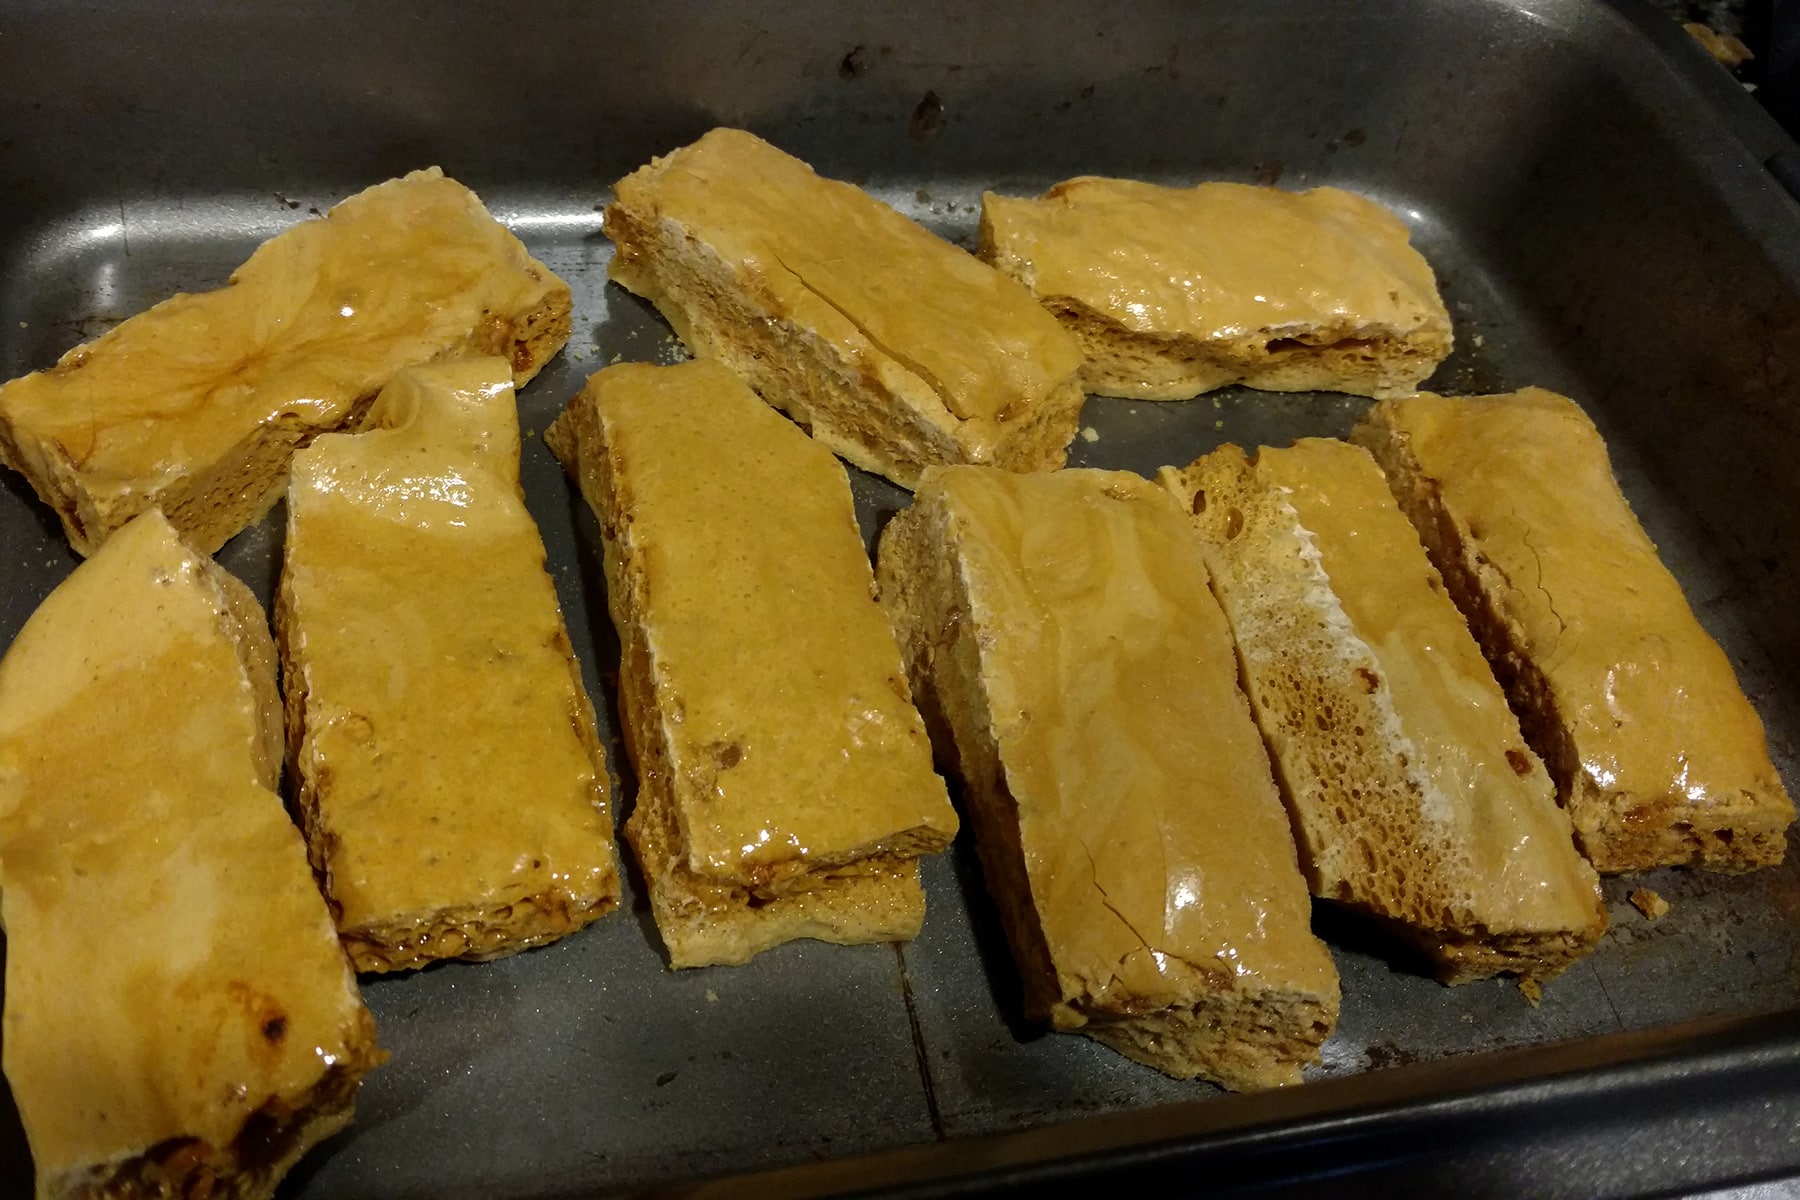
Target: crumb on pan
{"points": [[1090, 434], [1648, 903], [1727, 51], [1532, 990]]}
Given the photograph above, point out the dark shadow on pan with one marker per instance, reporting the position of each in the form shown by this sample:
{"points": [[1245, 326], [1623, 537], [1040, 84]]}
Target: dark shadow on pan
{"points": [[1342, 929], [590, 565], [42, 513], [990, 936], [14, 1151]]}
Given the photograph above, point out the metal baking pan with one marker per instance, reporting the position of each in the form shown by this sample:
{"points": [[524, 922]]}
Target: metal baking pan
{"points": [[1594, 197]]}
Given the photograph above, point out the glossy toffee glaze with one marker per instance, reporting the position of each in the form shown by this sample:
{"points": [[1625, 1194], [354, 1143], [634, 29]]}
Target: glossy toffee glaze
{"points": [[792, 741], [311, 325], [450, 768], [1510, 848], [839, 262], [1651, 702], [1220, 260], [1157, 850], [171, 968]]}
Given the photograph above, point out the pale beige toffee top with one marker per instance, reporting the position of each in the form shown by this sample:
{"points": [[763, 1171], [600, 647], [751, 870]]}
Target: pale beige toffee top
{"points": [[315, 320], [170, 965], [441, 704], [1651, 701], [1157, 849], [792, 739], [1220, 260], [838, 262], [1487, 798]]}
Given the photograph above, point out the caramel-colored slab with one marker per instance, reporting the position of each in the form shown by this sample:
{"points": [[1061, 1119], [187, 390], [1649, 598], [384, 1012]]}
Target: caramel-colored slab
{"points": [[1659, 756], [173, 981], [776, 744], [1411, 786], [452, 784], [1175, 291], [196, 405], [889, 344], [1062, 627]]}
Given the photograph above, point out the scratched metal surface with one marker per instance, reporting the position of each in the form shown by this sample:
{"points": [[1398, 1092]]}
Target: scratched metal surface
{"points": [[1591, 234]]}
